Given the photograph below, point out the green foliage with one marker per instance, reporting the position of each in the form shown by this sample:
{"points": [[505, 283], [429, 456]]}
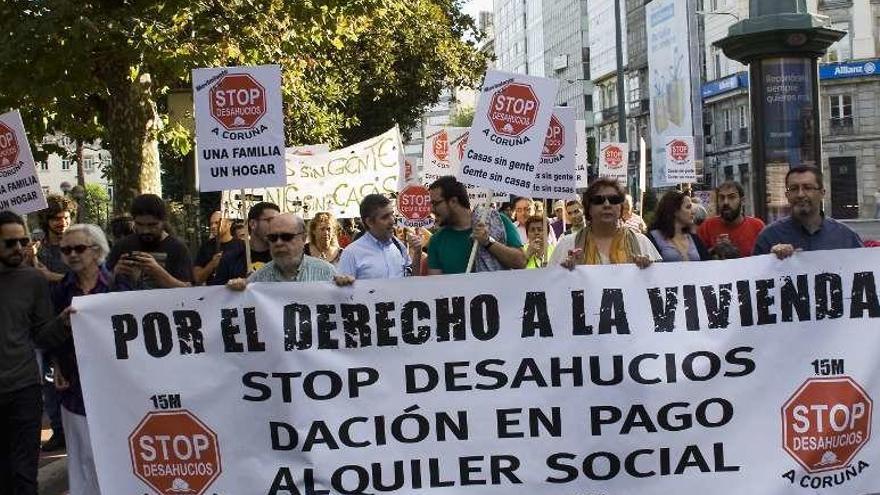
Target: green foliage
{"points": [[95, 207], [351, 68], [462, 117]]}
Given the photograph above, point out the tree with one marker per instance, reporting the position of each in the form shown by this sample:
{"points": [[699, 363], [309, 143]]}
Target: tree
{"points": [[98, 68], [95, 205], [462, 117]]}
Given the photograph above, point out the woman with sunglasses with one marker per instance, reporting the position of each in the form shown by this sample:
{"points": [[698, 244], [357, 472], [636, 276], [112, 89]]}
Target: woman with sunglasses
{"points": [[605, 240], [83, 249], [672, 229]]}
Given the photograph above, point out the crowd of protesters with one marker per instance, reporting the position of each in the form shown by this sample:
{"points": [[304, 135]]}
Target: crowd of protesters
{"points": [[38, 369]]}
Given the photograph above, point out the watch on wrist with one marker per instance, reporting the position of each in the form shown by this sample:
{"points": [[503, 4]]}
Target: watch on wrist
{"points": [[489, 243]]}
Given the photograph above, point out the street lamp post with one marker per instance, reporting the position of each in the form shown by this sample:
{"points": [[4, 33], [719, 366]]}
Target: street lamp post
{"points": [[781, 42]]}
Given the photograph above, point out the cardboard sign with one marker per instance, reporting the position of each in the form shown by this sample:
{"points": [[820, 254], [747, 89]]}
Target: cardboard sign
{"points": [[20, 189], [508, 132], [681, 166], [556, 177], [614, 161], [437, 151], [239, 127]]}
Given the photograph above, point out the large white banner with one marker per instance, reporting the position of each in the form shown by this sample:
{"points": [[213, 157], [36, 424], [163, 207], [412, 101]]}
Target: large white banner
{"points": [[670, 79], [745, 376], [239, 127], [20, 189], [337, 181], [437, 151], [508, 132], [556, 175]]}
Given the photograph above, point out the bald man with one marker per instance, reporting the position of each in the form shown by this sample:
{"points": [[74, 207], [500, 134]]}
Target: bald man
{"points": [[289, 263]]}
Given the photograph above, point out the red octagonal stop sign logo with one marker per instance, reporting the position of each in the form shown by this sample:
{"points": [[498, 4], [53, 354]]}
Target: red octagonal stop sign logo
{"points": [[414, 202], [826, 422], [513, 109], [613, 156], [679, 150], [555, 139], [238, 101], [8, 147], [173, 452], [440, 145]]}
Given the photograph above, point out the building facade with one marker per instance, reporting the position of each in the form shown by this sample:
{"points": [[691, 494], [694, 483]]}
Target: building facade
{"points": [[567, 54], [849, 106], [58, 173]]}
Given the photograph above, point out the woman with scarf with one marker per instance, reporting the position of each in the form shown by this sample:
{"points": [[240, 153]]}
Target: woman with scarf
{"points": [[605, 240]]}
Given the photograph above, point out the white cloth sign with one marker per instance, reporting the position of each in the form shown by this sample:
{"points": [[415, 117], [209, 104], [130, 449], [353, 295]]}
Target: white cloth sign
{"points": [[614, 161], [581, 163], [239, 127], [437, 151], [556, 176], [337, 181], [681, 166], [746, 376], [507, 135], [20, 189], [476, 194]]}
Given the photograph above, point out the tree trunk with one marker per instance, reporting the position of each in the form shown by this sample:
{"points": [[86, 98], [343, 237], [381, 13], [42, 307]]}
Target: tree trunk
{"points": [[132, 127], [82, 215]]}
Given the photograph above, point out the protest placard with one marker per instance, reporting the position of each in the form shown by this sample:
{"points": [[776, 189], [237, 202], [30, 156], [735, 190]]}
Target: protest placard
{"points": [[507, 135], [437, 151], [748, 376], [681, 166], [239, 127], [555, 178], [337, 181], [20, 189], [414, 205], [476, 194], [614, 161]]}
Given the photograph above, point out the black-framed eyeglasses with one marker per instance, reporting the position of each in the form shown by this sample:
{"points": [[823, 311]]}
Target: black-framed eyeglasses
{"points": [[78, 249], [21, 241], [612, 199], [804, 187], [283, 236]]}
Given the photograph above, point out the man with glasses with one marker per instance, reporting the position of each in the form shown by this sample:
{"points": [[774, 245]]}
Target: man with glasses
{"points": [[150, 258], [233, 264], [26, 319], [289, 263], [807, 229], [378, 254]]}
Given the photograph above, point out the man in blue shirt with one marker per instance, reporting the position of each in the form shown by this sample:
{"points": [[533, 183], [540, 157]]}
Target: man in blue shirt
{"points": [[807, 229], [378, 254]]}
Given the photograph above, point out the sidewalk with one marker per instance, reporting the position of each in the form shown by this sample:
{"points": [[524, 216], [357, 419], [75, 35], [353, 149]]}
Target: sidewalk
{"points": [[52, 477]]}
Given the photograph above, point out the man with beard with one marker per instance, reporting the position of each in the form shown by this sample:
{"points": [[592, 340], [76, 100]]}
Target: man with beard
{"points": [[378, 254], [807, 229], [289, 263], [26, 320], [209, 253], [234, 263], [450, 248], [150, 258], [731, 234], [54, 220]]}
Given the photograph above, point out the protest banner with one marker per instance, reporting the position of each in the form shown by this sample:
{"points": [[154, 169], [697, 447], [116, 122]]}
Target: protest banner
{"points": [[414, 205], [476, 194], [436, 151], [746, 376], [582, 164], [239, 127], [614, 161], [555, 178], [508, 132], [20, 189], [337, 181], [681, 166]]}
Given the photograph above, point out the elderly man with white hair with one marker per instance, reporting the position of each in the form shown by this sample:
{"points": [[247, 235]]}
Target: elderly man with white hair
{"points": [[83, 249], [287, 233]]}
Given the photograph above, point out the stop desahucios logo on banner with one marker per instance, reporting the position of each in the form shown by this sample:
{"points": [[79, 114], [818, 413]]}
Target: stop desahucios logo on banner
{"points": [[8, 147], [826, 422], [173, 452], [238, 101], [513, 109]]}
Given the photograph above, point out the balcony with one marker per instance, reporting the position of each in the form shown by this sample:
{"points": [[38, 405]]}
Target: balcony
{"points": [[841, 126], [728, 138], [609, 113], [638, 107], [743, 135]]}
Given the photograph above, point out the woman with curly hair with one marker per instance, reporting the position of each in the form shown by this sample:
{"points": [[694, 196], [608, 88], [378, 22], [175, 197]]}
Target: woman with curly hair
{"points": [[605, 240], [672, 229], [324, 238]]}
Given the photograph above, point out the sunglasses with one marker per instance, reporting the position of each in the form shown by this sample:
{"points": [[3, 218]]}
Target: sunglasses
{"points": [[284, 236], [78, 249], [11, 243], [614, 199]]}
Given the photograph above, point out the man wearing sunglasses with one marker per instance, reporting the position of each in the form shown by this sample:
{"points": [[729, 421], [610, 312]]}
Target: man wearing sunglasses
{"points": [[26, 319], [807, 229], [289, 263]]}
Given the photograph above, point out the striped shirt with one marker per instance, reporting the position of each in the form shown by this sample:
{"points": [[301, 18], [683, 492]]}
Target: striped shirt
{"points": [[310, 270]]}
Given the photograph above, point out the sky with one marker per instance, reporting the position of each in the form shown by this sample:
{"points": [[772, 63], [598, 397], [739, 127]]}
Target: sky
{"points": [[472, 7]]}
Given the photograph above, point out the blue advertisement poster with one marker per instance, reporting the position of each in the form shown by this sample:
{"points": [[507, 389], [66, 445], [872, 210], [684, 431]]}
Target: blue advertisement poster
{"points": [[788, 111]]}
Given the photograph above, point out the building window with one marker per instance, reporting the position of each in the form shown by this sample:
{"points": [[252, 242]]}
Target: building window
{"points": [[44, 166], [89, 164], [841, 112], [743, 117], [66, 164], [728, 123]]}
